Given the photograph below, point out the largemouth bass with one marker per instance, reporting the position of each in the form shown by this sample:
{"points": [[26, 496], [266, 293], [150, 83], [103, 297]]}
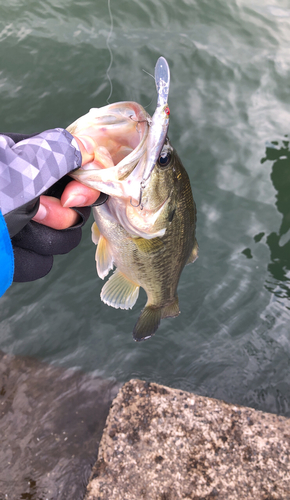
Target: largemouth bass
{"points": [[146, 229]]}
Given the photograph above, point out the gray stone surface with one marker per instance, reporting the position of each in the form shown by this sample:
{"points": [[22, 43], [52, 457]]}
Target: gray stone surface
{"points": [[51, 422], [164, 444]]}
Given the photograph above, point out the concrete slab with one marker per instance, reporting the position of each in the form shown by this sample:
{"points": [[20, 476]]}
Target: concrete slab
{"points": [[165, 444]]}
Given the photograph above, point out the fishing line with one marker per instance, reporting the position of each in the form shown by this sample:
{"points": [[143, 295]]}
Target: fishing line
{"points": [[147, 106], [110, 51], [148, 73], [154, 80]]}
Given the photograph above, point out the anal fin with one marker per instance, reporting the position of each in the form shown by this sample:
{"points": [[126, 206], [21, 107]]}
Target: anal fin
{"points": [[119, 292]]}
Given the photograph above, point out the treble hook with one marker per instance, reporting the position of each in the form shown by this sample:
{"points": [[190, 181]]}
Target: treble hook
{"points": [[142, 186]]}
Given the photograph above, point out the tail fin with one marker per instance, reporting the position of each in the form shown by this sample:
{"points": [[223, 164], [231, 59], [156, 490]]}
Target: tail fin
{"points": [[150, 317], [147, 323]]}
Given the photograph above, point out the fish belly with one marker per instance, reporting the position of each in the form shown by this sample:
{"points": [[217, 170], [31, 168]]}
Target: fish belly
{"points": [[140, 261]]}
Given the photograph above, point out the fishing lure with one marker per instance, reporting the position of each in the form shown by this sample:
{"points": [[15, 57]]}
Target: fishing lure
{"points": [[159, 122]]}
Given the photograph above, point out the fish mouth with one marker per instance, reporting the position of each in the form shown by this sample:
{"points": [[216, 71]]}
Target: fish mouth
{"points": [[121, 133], [118, 135], [124, 140], [117, 129]]}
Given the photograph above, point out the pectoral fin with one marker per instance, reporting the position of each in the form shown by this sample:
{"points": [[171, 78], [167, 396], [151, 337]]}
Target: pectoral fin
{"points": [[119, 292], [149, 246], [95, 233], [194, 253], [104, 258]]}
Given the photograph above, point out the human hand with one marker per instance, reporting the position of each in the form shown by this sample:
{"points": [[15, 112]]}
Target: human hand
{"points": [[58, 230], [55, 213]]}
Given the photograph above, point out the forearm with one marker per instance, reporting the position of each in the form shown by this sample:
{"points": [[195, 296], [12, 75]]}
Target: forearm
{"points": [[29, 167], [32, 165]]}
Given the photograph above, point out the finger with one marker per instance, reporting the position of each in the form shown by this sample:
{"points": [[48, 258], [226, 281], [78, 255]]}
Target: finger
{"points": [[51, 213], [77, 195], [86, 149]]}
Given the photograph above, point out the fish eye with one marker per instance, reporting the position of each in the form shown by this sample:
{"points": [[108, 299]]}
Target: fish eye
{"points": [[164, 159]]}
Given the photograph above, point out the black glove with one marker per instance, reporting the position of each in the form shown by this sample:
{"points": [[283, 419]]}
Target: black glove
{"points": [[35, 245]]}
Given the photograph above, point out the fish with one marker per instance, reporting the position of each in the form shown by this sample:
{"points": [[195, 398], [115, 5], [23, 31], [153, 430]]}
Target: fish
{"points": [[146, 228]]}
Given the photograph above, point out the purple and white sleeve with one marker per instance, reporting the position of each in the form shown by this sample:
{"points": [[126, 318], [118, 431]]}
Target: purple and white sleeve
{"points": [[30, 167]]}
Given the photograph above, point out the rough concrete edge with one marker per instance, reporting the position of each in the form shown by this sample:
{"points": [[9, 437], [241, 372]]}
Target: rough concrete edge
{"points": [[208, 404]]}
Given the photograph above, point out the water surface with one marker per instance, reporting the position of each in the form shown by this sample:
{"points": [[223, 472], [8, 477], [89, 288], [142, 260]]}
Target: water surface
{"points": [[229, 100]]}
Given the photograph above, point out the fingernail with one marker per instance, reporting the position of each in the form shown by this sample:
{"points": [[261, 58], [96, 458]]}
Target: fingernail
{"points": [[76, 201], [41, 213]]}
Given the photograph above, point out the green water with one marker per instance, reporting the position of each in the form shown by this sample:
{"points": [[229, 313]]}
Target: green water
{"points": [[229, 99]]}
